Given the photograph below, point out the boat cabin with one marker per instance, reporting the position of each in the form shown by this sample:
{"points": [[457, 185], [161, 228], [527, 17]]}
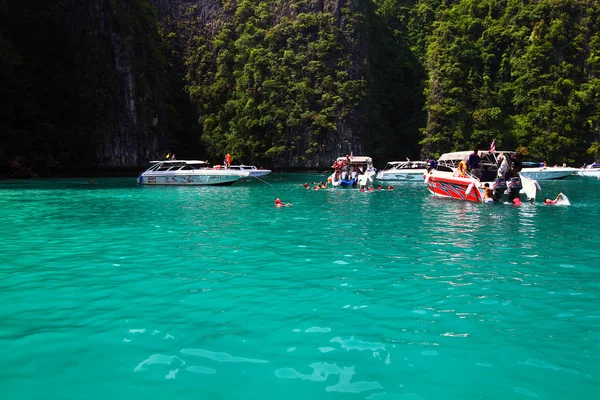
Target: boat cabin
{"points": [[488, 165]]}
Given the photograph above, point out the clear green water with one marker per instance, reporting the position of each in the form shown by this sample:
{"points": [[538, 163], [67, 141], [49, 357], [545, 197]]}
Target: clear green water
{"points": [[124, 292]]}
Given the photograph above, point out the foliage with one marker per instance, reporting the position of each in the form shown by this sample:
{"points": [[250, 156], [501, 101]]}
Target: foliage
{"points": [[522, 73], [278, 81]]}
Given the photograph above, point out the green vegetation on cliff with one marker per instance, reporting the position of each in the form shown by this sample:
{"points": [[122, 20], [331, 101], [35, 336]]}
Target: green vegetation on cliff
{"points": [[521, 72], [296, 83]]}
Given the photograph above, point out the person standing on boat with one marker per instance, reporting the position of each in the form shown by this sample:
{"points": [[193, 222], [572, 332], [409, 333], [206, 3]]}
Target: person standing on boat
{"points": [[473, 164], [504, 164], [227, 160], [517, 164], [431, 164]]}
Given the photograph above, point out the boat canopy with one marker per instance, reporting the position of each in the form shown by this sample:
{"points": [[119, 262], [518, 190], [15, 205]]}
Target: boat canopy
{"points": [[452, 159], [180, 161], [357, 160]]}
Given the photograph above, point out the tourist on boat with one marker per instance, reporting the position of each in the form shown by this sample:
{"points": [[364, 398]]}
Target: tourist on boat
{"points": [[462, 169], [432, 164], [517, 164], [504, 164], [227, 160], [473, 164], [488, 193], [279, 203]]}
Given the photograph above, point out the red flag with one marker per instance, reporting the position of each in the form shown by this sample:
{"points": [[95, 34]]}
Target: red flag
{"points": [[492, 147]]}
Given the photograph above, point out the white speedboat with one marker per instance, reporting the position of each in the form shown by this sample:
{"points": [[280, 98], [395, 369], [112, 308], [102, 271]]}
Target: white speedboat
{"points": [[540, 172], [353, 172], [254, 172], [188, 173], [403, 171], [592, 170]]}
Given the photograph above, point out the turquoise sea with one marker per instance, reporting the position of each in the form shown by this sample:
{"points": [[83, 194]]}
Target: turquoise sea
{"points": [[112, 290]]}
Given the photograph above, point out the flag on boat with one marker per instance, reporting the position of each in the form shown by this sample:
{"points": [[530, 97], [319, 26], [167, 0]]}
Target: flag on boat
{"points": [[492, 147]]}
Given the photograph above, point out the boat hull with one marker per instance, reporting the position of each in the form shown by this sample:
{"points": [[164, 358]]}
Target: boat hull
{"points": [[548, 173], [454, 188], [213, 179], [589, 172], [401, 176], [447, 185]]}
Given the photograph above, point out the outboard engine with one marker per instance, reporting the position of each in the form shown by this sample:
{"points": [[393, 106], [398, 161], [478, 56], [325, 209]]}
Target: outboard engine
{"points": [[514, 187], [499, 186]]}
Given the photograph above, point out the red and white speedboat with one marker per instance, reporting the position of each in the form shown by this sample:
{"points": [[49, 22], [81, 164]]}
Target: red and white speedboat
{"points": [[446, 181]]}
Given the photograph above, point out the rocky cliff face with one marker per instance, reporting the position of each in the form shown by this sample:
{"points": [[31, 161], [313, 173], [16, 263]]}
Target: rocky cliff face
{"points": [[118, 43]]}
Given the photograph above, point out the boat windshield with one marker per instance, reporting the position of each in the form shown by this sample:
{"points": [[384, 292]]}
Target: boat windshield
{"points": [[162, 166]]}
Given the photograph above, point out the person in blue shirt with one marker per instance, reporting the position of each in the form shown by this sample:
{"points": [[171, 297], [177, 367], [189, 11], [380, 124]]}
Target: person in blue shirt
{"points": [[473, 164]]}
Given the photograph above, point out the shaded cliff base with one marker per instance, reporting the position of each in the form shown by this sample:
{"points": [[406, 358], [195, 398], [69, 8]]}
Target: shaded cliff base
{"points": [[25, 168]]}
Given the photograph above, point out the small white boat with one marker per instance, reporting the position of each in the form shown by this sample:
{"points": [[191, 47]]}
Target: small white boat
{"points": [[543, 173], [188, 173], [352, 172], [592, 170], [254, 172], [403, 171]]}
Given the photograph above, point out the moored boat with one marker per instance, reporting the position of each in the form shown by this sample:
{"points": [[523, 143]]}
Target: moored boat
{"points": [[592, 170], [403, 171], [188, 173], [352, 171], [541, 172], [447, 181]]}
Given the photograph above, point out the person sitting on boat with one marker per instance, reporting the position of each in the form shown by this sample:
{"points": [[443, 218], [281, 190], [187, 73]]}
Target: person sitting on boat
{"points": [[488, 193], [279, 203], [462, 169], [354, 174]]}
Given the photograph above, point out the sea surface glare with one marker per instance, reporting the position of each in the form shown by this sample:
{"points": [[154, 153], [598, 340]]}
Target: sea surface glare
{"points": [[117, 291]]}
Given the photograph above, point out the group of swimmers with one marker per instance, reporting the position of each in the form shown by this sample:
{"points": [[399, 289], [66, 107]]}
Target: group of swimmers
{"points": [[317, 186], [372, 189]]}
